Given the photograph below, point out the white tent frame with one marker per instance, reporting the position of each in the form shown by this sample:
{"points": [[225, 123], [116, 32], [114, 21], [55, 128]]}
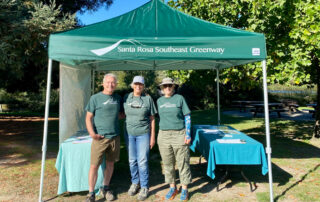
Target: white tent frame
{"points": [[266, 113]]}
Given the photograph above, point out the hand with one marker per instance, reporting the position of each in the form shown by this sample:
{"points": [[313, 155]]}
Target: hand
{"points": [[152, 142], [97, 136], [187, 140]]}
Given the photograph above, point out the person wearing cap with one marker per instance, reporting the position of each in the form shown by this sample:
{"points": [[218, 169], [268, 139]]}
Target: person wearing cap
{"points": [[102, 121], [140, 138], [174, 138]]}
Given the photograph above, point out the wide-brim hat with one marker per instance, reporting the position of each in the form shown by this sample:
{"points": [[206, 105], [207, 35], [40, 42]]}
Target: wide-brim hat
{"points": [[167, 81]]}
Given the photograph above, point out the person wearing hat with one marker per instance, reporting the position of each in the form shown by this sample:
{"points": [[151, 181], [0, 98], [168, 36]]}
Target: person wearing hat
{"points": [[140, 138], [174, 138]]}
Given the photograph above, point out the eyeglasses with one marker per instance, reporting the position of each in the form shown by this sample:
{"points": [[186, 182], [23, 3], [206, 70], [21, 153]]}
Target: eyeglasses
{"points": [[167, 85]]}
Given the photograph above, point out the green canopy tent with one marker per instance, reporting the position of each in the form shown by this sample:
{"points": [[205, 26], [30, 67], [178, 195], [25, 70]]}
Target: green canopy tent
{"points": [[151, 37]]}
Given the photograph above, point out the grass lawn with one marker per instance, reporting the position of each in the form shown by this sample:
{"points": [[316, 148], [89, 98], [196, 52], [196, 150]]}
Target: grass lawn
{"points": [[295, 163]]}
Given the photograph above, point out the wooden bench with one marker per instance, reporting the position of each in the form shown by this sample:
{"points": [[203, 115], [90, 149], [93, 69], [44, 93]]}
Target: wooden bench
{"points": [[261, 110], [243, 105], [291, 105], [242, 108]]}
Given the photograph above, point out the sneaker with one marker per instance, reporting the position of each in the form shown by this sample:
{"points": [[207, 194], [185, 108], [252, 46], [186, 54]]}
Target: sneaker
{"points": [[184, 195], [91, 198], [172, 193], [134, 188], [107, 194], [143, 194]]}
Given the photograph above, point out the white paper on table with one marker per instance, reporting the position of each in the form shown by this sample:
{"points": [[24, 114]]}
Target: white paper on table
{"points": [[82, 141], [210, 130], [230, 141], [83, 137], [230, 132]]}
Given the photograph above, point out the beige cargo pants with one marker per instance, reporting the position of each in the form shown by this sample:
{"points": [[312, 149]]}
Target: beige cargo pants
{"points": [[174, 150]]}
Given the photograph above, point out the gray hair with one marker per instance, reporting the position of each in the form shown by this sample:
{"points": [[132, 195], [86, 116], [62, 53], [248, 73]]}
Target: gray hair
{"points": [[111, 75]]}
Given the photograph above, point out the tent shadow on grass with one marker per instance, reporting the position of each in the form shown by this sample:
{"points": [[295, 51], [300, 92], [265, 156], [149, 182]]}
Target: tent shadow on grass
{"points": [[21, 141], [297, 182], [252, 172], [285, 147]]}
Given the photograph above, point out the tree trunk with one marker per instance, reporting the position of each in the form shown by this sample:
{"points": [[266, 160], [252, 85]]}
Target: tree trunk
{"points": [[316, 133]]}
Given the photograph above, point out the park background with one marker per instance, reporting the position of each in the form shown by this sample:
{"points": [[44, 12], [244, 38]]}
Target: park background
{"points": [[292, 31]]}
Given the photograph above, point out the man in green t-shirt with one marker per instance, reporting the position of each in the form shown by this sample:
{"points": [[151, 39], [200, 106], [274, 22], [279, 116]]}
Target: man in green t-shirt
{"points": [[102, 125]]}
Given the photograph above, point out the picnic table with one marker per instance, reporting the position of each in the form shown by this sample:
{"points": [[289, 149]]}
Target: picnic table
{"points": [[291, 105], [313, 111], [73, 163], [244, 104], [273, 107], [224, 145]]}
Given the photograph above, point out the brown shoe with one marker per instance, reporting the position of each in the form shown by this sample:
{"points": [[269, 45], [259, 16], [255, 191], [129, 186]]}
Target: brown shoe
{"points": [[91, 198], [107, 194]]}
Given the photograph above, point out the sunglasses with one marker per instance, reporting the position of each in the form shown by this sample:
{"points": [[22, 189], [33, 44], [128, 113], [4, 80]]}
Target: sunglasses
{"points": [[167, 85], [136, 104]]}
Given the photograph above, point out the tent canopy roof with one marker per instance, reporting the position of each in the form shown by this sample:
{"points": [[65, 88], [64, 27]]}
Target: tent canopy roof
{"points": [[153, 37]]}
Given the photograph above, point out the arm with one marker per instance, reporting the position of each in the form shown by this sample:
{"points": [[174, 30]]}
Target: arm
{"points": [[89, 125], [187, 120], [153, 132]]}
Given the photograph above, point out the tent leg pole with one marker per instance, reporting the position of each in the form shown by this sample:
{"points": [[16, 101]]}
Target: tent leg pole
{"points": [[266, 113], [45, 129], [218, 97], [92, 81]]}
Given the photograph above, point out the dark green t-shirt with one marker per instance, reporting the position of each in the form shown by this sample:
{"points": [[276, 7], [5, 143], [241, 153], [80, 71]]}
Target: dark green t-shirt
{"points": [[105, 109], [138, 111], [172, 111]]}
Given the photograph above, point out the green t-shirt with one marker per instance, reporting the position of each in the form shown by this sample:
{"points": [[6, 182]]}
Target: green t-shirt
{"points": [[105, 109], [172, 111], [138, 111]]}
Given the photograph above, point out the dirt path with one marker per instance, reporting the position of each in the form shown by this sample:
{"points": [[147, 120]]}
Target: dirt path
{"points": [[20, 160]]}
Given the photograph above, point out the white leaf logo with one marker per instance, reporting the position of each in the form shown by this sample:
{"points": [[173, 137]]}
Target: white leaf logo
{"points": [[107, 49]]}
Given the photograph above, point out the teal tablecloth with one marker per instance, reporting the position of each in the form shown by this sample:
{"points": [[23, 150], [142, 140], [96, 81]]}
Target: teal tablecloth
{"points": [[73, 163], [205, 140]]}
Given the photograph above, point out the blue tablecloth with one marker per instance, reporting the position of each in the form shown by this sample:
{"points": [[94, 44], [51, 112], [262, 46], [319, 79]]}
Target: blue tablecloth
{"points": [[73, 163], [206, 141]]}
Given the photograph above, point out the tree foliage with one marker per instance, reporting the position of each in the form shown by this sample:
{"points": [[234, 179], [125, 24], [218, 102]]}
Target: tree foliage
{"points": [[25, 26], [292, 30], [72, 6], [24, 31], [273, 18]]}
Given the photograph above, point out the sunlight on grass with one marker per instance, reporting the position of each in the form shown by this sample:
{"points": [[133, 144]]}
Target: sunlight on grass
{"points": [[295, 163], [263, 196]]}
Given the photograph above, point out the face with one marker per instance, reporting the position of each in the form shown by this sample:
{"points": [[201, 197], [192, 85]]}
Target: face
{"points": [[109, 84], [167, 89], [137, 88]]}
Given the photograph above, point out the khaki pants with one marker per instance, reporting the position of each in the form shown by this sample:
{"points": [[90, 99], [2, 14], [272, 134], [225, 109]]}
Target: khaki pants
{"points": [[174, 150]]}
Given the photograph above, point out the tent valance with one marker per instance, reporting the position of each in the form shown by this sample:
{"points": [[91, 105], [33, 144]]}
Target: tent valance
{"points": [[160, 34]]}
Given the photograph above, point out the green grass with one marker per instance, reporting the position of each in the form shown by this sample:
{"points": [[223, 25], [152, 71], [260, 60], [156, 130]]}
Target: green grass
{"points": [[295, 164], [305, 108]]}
